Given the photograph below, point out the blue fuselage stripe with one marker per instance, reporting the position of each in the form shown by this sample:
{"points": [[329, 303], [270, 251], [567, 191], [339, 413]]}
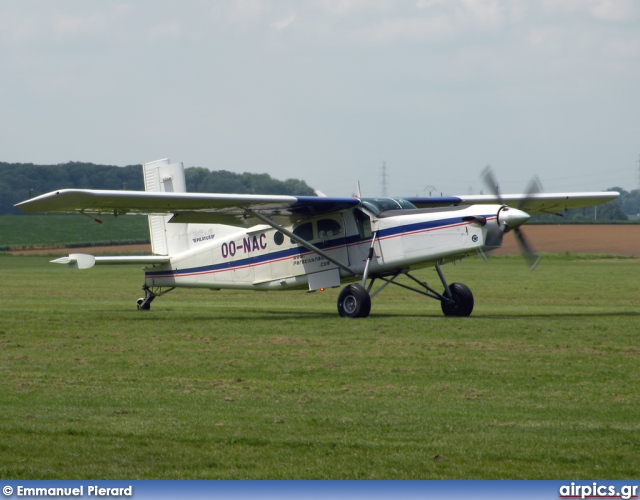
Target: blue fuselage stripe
{"points": [[256, 259]]}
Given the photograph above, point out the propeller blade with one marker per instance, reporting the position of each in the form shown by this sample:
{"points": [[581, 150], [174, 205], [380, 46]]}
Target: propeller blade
{"points": [[534, 187], [532, 258], [491, 182], [482, 254]]}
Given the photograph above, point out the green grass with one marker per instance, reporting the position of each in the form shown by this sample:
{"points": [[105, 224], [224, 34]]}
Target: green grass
{"points": [[70, 231], [541, 382]]}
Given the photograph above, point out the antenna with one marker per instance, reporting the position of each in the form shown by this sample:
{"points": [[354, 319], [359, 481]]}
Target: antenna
{"points": [[384, 179], [638, 176]]}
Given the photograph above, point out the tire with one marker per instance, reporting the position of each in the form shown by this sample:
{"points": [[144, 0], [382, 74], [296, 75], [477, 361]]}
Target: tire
{"points": [[354, 302], [142, 306], [462, 301]]}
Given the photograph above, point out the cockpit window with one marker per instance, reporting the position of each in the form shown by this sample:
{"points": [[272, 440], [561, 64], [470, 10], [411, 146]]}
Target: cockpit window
{"points": [[328, 228], [363, 222], [379, 205], [304, 231], [405, 204]]}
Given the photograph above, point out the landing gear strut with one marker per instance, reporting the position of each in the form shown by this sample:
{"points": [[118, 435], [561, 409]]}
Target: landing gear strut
{"points": [[355, 301], [144, 303]]}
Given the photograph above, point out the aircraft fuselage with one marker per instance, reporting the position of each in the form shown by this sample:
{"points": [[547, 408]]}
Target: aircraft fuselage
{"points": [[261, 257]]}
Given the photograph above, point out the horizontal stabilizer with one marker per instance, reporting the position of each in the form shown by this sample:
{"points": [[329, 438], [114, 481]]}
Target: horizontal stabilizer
{"points": [[77, 261], [83, 261]]}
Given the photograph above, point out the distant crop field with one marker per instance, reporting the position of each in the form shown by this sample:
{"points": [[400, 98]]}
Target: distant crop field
{"points": [[70, 230], [541, 382], [616, 239]]}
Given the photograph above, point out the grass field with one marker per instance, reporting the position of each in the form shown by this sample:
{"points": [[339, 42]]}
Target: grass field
{"points": [[541, 382], [69, 230]]}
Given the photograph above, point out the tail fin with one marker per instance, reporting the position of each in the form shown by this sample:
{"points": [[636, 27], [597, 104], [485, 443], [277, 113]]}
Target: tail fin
{"points": [[163, 176]]}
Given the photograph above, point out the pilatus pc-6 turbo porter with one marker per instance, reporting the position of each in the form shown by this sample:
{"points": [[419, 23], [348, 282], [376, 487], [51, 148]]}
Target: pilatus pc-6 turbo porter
{"points": [[255, 242]]}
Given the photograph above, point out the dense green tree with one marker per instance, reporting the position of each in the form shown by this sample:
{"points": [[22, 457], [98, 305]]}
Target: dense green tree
{"points": [[630, 202], [222, 181]]}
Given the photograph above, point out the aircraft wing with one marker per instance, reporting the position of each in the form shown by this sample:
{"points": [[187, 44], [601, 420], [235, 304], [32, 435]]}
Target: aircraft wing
{"points": [[235, 209], [540, 203], [232, 209]]}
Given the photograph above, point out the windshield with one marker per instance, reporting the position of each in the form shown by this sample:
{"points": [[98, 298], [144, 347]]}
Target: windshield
{"points": [[379, 205]]}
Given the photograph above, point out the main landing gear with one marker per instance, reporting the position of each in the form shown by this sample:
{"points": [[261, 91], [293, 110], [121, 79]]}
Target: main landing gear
{"points": [[355, 300], [144, 303], [459, 303]]}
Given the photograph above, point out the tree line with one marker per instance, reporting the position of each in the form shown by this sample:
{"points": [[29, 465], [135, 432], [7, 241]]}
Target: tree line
{"points": [[21, 181]]}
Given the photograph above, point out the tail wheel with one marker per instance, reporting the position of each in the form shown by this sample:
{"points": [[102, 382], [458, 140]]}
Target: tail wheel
{"points": [[354, 302], [460, 303], [143, 304]]}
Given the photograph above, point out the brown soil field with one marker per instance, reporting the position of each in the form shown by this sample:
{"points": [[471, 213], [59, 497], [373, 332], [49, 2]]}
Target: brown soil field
{"points": [[617, 239]]}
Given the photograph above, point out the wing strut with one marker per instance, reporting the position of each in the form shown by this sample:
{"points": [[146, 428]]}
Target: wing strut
{"points": [[365, 275], [302, 242]]}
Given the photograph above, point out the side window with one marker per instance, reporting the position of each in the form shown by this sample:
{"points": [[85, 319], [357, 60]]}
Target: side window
{"points": [[363, 222], [328, 228], [304, 231]]}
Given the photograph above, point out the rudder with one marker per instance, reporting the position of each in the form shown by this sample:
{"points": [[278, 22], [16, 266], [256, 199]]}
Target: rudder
{"points": [[161, 176]]}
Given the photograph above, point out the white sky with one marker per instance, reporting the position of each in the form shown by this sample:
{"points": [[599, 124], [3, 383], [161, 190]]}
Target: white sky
{"points": [[325, 91]]}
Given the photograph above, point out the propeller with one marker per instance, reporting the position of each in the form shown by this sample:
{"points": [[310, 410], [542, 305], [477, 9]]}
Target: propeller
{"points": [[534, 187]]}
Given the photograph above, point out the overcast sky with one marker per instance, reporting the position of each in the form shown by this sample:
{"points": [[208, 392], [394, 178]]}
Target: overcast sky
{"points": [[326, 91]]}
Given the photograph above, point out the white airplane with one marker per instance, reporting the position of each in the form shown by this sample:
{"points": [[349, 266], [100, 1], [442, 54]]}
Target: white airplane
{"points": [[255, 242]]}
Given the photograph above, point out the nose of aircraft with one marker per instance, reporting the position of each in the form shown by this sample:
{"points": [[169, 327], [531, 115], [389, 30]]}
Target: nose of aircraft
{"points": [[513, 217]]}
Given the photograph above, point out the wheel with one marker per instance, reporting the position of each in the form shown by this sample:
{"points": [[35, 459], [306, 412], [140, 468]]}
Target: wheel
{"points": [[143, 305], [461, 303], [354, 302]]}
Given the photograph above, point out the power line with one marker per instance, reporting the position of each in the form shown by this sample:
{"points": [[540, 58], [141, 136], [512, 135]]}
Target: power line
{"points": [[384, 179]]}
